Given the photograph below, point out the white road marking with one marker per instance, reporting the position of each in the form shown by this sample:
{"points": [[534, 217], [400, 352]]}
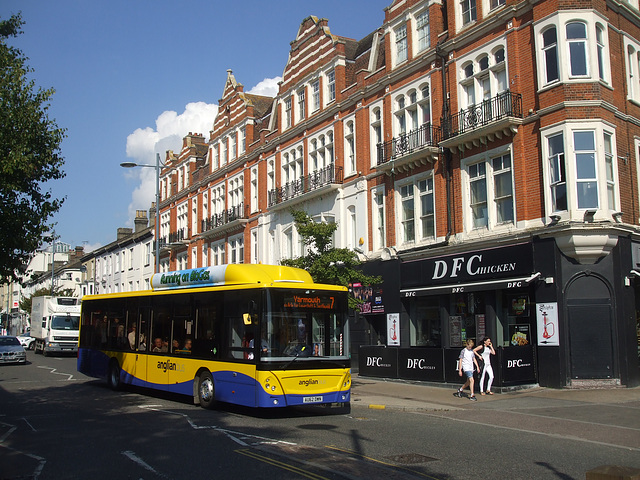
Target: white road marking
{"points": [[55, 372], [134, 458]]}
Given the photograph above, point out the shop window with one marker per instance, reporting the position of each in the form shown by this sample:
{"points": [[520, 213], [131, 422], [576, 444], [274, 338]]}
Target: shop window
{"points": [[426, 328], [468, 318]]}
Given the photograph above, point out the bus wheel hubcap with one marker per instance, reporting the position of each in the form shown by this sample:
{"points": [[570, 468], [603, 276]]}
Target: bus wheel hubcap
{"points": [[206, 389]]}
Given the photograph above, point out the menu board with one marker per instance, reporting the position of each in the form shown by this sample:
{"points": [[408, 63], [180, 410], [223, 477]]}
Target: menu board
{"points": [[455, 330]]}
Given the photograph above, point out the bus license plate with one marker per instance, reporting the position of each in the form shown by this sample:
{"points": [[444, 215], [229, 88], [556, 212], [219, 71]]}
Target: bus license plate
{"points": [[311, 399]]}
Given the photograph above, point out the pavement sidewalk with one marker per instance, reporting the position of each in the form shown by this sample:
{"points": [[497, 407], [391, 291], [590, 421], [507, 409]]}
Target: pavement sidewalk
{"points": [[376, 393]]}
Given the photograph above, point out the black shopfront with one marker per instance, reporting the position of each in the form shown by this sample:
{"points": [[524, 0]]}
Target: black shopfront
{"points": [[446, 300], [562, 309]]}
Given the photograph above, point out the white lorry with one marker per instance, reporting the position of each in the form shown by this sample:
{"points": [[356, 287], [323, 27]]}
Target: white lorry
{"points": [[55, 323]]}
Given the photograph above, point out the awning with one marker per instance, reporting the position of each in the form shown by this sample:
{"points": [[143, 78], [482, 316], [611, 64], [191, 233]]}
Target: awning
{"points": [[503, 283]]}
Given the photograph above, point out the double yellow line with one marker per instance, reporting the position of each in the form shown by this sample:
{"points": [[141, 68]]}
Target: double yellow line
{"points": [[253, 454]]}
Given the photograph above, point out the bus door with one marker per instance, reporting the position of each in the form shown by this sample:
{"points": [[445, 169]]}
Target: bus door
{"points": [[135, 363], [180, 372], [236, 383]]}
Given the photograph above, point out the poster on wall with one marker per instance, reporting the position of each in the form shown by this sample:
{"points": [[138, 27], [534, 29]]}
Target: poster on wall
{"points": [[370, 298], [393, 329], [480, 328], [519, 335], [547, 315], [455, 330], [519, 305]]}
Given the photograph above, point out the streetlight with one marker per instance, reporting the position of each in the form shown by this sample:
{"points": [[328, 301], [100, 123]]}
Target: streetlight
{"points": [[157, 233]]}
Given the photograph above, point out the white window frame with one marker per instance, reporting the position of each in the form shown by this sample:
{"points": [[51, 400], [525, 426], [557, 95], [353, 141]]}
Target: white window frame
{"points": [[288, 119], [315, 95], [604, 181], [401, 44], [632, 68], [235, 197], [254, 189], [412, 187], [378, 218], [182, 216], [194, 215], [218, 253], [479, 69], [243, 140], [255, 245], [331, 85], [376, 125], [321, 151], [350, 166], [236, 249], [595, 48], [423, 31], [486, 159], [466, 13], [302, 107]]}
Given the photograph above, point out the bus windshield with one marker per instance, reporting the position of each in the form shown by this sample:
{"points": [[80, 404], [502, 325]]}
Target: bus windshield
{"points": [[65, 322], [304, 323]]}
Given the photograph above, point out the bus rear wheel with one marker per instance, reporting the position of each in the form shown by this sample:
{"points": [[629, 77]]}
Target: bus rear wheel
{"points": [[113, 376], [206, 391]]}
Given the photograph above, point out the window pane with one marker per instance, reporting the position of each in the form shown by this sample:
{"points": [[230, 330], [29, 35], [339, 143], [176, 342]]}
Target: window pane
{"points": [[587, 195], [585, 165], [503, 184], [578, 58], [478, 191], [576, 30]]}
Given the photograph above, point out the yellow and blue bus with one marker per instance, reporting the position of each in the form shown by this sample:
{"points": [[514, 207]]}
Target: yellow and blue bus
{"points": [[252, 335]]}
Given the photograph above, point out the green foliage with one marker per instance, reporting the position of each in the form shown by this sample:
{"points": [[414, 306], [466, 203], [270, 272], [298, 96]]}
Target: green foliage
{"points": [[29, 157], [335, 266], [25, 302]]}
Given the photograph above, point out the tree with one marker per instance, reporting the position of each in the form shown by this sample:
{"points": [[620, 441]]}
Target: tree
{"points": [[29, 157], [326, 264], [25, 302]]}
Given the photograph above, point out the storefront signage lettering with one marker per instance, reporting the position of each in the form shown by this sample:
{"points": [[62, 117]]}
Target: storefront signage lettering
{"points": [[419, 363], [453, 271], [519, 363], [376, 362], [473, 266]]}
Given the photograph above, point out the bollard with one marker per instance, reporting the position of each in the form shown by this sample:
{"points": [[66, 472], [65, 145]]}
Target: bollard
{"points": [[613, 472]]}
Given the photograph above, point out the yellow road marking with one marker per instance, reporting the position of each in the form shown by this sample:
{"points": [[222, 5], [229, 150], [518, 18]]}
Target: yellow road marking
{"points": [[249, 453]]}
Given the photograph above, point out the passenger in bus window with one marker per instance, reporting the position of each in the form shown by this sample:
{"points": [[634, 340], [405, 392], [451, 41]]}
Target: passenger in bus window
{"points": [[175, 345], [187, 345], [132, 337], [103, 331], [158, 346]]}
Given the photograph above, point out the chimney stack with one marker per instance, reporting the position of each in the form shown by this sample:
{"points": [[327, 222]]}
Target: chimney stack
{"points": [[141, 221]]}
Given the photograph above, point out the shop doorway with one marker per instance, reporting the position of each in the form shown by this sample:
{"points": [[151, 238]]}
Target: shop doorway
{"points": [[590, 322]]}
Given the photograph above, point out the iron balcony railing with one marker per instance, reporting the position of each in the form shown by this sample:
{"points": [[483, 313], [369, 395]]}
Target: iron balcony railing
{"points": [[219, 219], [407, 143], [503, 105], [315, 180]]}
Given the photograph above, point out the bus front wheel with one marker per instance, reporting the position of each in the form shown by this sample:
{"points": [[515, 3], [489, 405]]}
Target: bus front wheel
{"points": [[206, 391], [113, 377]]}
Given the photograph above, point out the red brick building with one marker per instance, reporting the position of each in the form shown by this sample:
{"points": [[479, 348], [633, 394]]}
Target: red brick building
{"points": [[481, 155]]}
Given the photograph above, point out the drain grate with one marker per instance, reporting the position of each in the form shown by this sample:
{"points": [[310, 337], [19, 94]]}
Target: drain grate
{"points": [[410, 458]]}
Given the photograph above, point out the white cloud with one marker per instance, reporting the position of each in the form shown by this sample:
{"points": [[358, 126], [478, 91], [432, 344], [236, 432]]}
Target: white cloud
{"points": [[267, 87], [144, 143]]}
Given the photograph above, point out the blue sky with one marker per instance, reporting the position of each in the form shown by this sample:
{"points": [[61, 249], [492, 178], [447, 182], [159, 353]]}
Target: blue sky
{"points": [[132, 77]]}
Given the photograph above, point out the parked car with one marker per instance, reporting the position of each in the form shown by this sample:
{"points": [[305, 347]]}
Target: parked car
{"points": [[11, 351], [27, 341]]}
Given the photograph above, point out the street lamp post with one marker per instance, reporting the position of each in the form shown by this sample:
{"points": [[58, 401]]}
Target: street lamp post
{"points": [[157, 229]]}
